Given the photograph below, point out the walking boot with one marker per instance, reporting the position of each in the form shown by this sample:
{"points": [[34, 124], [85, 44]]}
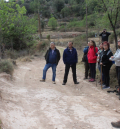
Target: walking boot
{"points": [[116, 124]]}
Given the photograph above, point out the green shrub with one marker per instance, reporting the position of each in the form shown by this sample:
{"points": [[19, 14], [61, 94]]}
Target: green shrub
{"points": [[62, 28], [48, 37], [6, 66], [16, 27], [52, 23], [111, 38], [79, 41], [91, 34]]}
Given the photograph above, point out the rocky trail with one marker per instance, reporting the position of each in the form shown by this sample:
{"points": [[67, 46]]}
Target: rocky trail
{"points": [[27, 103]]}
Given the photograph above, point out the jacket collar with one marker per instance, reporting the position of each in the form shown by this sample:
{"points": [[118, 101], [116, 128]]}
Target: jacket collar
{"points": [[69, 49], [91, 46], [51, 49]]}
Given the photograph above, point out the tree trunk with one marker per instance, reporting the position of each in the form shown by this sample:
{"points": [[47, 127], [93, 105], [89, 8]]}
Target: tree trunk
{"points": [[115, 35], [39, 26], [86, 26]]}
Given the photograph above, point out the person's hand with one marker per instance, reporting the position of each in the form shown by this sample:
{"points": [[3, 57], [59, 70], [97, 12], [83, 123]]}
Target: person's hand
{"points": [[101, 63], [98, 53], [112, 57]]}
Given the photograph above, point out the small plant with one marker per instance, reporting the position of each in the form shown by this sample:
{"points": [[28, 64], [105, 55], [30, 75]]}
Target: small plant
{"points": [[52, 23], [48, 37], [6, 66]]}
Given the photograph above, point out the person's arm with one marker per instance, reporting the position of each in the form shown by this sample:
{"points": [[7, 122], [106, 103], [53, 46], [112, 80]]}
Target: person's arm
{"points": [[59, 55], [76, 57], [64, 57], [108, 33], [46, 54], [115, 57], [101, 34], [96, 50]]}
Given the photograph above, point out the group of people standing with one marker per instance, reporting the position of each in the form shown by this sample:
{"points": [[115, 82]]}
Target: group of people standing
{"points": [[70, 59], [101, 56]]}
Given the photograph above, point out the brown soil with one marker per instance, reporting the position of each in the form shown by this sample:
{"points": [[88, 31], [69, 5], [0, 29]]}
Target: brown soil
{"points": [[27, 103]]}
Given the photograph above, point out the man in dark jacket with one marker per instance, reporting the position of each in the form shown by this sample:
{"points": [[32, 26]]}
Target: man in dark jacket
{"points": [[105, 35], [52, 58], [70, 59]]}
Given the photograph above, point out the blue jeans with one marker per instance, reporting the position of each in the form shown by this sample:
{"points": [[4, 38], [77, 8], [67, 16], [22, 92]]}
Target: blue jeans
{"points": [[47, 66]]}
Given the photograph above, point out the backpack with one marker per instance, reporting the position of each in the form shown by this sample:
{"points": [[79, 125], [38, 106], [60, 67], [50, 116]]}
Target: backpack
{"points": [[84, 58]]}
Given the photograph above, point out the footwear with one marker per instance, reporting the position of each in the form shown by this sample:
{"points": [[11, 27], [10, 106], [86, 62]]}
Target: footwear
{"points": [[85, 78], [54, 82], [106, 87], [103, 85], [64, 83], [118, 93], [116, 124], [42, 80], [92, 80], [76, 83]]}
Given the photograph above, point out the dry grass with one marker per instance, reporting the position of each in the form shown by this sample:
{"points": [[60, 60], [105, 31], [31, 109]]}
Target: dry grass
{"points": [[6, 66], [0, 124], [113, 77], [25, 59]]}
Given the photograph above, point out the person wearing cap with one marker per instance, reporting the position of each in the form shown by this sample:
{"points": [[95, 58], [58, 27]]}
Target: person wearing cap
{"points": [[52, 58], [106, 64], [105, 35], [116, 58], [70, 59]]}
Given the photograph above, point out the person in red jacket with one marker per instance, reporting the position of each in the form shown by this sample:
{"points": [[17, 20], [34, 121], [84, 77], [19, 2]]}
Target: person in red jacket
{"points": [[92, 59]]}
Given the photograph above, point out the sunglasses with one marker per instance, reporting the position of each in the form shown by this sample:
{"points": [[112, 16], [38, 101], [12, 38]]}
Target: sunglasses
{"points": [[118, 40]]}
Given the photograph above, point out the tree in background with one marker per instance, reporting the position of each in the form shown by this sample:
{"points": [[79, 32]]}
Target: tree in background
{"points": [[15, 27], [112, 10], [58, 5], [52, 23]]}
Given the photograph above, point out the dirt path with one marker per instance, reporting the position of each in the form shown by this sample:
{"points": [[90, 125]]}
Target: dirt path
{"points": [[29, 104]]}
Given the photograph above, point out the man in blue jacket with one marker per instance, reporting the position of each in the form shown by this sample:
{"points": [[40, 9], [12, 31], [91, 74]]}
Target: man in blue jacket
{"points": [[70, 59], [52, 58]]}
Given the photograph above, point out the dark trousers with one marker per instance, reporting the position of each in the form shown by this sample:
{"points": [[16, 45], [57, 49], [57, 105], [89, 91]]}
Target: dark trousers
{"points": [[118, 75], [87, 67], [67, 68], [92, 70], [106, 73]]}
